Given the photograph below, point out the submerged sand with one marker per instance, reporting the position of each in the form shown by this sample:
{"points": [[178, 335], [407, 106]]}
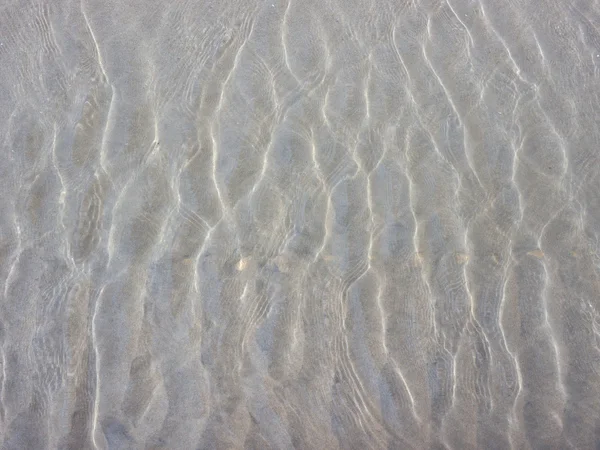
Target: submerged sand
{"points": [[309, 224]]}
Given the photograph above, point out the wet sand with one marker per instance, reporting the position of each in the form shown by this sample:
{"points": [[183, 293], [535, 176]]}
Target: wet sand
{"points": [[300, 224]]}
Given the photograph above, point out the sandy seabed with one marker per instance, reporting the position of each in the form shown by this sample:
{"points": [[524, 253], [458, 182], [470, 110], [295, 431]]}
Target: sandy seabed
{"points": [[309, 224]]}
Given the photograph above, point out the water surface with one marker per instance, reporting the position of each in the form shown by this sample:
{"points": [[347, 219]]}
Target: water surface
{"points": [[310, 224]]}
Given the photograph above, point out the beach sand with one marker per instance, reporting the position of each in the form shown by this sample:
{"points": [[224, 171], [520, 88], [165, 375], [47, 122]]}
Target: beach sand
{"points": [[331, 224]]}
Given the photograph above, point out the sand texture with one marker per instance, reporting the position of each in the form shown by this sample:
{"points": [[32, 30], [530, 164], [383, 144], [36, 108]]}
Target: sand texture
{"points": [[299, 224]]}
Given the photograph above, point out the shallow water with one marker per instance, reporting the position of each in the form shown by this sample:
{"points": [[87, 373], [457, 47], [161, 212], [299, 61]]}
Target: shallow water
{"points": [[311, 224]]}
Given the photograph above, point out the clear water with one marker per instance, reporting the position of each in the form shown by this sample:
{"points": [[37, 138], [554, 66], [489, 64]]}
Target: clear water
{"points": [[311, 224]]}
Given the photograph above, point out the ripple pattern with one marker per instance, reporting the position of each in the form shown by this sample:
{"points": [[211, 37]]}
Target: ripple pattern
{"points": [[300, 224]]}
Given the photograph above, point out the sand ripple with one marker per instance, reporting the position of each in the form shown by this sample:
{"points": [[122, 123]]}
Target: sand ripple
{"points": [[313, 225]]}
